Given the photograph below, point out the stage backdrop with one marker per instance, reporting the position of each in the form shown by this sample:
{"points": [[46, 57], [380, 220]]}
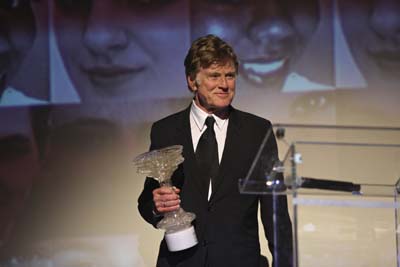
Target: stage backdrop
{"points": [[82, 81]]}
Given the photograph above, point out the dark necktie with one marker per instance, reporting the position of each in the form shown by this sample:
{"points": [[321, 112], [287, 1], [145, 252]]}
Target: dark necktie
{"points": [[207, 154]]}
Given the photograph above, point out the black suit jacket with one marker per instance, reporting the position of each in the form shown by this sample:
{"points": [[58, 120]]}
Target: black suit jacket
{"points": [[227, 224]]}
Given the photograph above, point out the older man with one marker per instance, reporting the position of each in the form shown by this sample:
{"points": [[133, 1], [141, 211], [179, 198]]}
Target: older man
{"points": [[226, 223]]}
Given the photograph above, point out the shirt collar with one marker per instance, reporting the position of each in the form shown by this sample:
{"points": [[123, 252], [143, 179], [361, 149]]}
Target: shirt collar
{"points": [[200, 117]]}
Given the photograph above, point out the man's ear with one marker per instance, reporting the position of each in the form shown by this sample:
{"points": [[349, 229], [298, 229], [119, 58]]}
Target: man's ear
{"points": [[191, 84]]}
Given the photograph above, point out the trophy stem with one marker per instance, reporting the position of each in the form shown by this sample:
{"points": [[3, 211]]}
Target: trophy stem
{"points": [[166, 183], [179, 232]]}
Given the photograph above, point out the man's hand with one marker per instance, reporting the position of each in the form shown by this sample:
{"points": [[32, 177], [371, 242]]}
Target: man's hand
{"points": [[166, 199]]}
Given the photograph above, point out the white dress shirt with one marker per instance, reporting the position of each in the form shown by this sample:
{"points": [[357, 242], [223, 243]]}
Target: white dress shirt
{"points": [[197, 127]]}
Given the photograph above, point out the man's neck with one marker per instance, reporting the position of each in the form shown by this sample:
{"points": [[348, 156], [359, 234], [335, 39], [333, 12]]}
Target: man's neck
{"points": [[222, 113]]}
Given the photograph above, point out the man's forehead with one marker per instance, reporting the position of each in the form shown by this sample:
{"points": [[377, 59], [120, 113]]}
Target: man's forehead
{"points": [[220, 67]]}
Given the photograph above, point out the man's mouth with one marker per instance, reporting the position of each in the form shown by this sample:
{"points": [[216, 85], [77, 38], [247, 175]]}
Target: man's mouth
{"points": [[223, 95], [263, 72]]}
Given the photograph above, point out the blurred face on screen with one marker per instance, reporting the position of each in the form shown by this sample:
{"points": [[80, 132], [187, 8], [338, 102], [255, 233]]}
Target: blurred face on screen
{"points": [[372, 29], [18, 166], [267, 35], [17, 32], [120, 49]]}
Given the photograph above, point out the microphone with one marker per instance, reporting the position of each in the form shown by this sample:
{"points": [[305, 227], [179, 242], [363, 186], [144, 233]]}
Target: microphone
{"points": [[315, 183], [276, 179]]}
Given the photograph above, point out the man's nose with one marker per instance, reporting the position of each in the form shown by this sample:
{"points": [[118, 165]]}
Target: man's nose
{"points": [[223, 83], [385, 19], [103, 35]]}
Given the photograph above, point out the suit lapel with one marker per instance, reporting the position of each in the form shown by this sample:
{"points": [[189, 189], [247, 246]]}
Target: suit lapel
{"points": [[184, 136]]}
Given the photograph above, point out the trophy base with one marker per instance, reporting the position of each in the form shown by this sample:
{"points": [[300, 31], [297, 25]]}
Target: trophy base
{"points": [[181, 240]]}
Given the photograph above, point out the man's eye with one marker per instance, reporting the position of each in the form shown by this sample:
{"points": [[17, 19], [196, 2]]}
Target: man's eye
{"points": [[73, 7]]}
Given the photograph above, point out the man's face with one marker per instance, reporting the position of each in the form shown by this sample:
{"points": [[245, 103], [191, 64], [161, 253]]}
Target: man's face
{"points": [[121, 50], [268, 35], [17, 32], [214, 87]]}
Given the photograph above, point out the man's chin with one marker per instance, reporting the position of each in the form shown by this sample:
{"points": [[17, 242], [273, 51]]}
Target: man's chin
{"points": [[220, 110], [223, 104]]}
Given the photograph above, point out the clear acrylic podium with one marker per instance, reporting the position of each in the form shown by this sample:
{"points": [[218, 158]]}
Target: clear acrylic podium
{"points": [[342, 185]]}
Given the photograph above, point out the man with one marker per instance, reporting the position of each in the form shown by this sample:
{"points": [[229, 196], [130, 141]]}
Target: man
{"points": [[226, 222]]}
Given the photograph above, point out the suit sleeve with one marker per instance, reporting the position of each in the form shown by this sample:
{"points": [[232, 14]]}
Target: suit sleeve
{"points": [[278, 231], [145, 202]]}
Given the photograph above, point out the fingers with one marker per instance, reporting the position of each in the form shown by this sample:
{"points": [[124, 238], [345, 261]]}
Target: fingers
{"points": [[166, 199], [176, 190], [167, 206], [166, 190]]}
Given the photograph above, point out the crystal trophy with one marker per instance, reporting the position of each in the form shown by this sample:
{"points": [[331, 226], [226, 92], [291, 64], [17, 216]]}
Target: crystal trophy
{"points": [[160, 165]]}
